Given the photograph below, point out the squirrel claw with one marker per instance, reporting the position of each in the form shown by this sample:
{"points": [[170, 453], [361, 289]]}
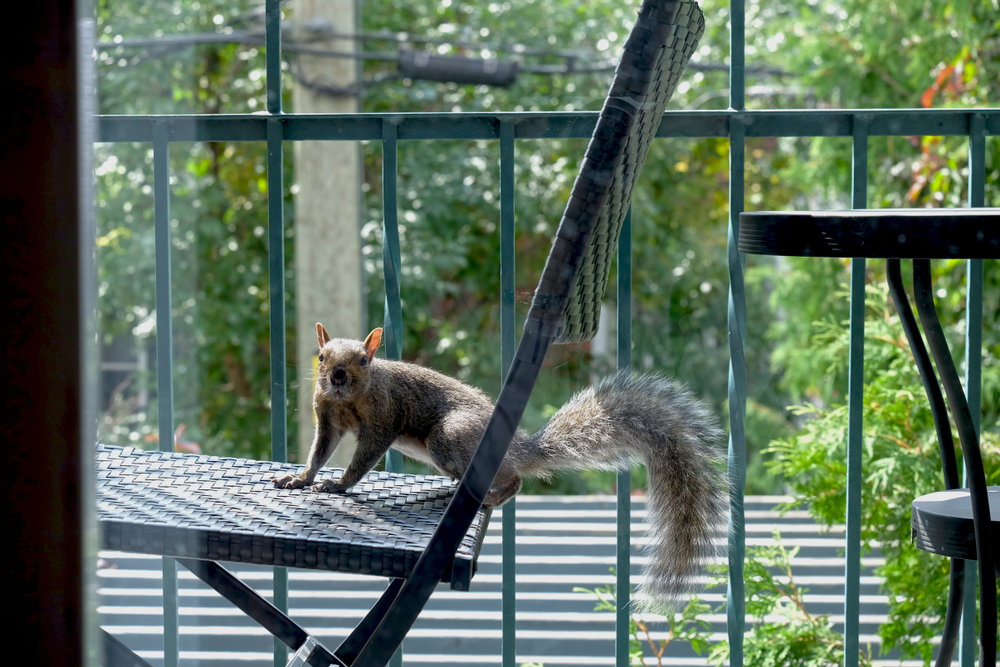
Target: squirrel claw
{"points": [[288, 482], [329, 486]]}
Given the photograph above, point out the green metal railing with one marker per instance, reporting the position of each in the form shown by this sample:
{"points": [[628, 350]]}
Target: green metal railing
{"points": [[973, 357], [855, 388], [393, 319], [508, 345], [737, 124]]}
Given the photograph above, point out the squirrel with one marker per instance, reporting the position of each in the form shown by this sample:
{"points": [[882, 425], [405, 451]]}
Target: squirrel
{"points": [[436, 419]]}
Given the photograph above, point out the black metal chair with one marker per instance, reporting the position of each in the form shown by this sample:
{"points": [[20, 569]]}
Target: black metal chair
{"points": [[956, 522], [565, 308], [566, 305]]}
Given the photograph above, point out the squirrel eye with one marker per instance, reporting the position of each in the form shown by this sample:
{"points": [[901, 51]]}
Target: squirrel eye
{"points": [[364, 361], [321, 357]]}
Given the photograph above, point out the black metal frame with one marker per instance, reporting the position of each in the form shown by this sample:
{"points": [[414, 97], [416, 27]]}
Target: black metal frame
{"points": [[946, 444], [893, 234], [924, 298], [269, 617], [116, 654], [599, 202]]}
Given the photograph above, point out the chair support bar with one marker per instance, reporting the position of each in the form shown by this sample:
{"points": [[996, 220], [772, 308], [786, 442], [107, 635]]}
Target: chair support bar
{"points": [[940, 413], [470, 494], [253, 605], [923, 291], [348, 650], [956, 591], [117, 654]]}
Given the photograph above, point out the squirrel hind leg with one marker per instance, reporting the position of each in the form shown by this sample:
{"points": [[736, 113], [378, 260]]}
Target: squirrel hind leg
{"points": [[503, 494]]}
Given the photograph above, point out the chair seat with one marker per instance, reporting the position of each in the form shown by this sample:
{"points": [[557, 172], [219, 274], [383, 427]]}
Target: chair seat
{"points": [[227, 509], [941, 523]]}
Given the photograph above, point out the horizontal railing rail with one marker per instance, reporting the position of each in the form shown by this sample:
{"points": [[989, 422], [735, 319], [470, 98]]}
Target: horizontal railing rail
{"points": [[546, 125]]}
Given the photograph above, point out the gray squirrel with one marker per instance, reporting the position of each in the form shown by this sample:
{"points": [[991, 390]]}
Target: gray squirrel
{"points": [[439, 420]]}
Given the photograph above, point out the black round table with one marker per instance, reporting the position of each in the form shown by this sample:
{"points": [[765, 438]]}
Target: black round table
{"points": [[905, 233], [962, 524]]}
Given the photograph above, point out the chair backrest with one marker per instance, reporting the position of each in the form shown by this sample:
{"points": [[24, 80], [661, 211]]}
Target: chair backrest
{"points": [[569, 294], [567, 302]]}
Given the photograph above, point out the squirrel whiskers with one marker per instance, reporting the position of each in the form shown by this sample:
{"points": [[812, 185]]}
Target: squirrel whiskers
{"points": [[624, 418]]}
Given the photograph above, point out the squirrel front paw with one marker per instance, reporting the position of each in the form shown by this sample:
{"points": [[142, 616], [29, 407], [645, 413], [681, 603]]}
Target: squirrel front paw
{"points": [[330, 486], [290, 482]]}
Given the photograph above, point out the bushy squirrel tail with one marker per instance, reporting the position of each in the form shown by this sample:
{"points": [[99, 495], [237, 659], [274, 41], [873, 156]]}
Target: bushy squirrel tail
{"points": [[628, 416]]}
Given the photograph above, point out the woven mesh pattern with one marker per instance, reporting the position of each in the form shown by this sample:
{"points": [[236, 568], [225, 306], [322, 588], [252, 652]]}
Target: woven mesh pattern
{"points": [[227, 509], [658, 48]]}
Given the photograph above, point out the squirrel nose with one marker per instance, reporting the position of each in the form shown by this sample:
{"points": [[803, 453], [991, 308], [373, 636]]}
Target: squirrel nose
{"points": [[339, 376]]}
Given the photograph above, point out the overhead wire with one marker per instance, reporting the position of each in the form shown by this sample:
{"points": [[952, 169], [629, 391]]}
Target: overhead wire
{"points": [[299, 39]]}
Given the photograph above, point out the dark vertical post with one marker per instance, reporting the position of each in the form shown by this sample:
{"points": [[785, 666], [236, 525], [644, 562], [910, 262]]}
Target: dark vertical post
{"points": [[735, 602], [508, 603], [855, 391], [276, 274], [165, 362], [87, 131], [973, 362], [48, 424], [623, 520]]}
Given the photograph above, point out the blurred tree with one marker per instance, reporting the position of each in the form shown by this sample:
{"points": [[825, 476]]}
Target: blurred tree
{"points": [[448, 194], [218, 207]]}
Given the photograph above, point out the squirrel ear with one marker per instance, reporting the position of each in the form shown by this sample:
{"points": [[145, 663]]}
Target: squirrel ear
{"points": [[372, 343], [322, 337]]}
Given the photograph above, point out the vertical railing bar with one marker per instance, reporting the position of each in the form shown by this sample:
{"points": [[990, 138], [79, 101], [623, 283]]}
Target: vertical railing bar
{"points": [[737, 325], [272, 54], [508, 602], [508, 336], [391, 266], [165, 362], [623, 520], [973, 363], [737, 55], [276, 305], [276, 275], [855, 390], [393, 327], [735, 602]]}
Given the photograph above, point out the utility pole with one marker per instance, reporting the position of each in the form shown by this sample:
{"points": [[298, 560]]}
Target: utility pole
{"points": [[327, 206]]}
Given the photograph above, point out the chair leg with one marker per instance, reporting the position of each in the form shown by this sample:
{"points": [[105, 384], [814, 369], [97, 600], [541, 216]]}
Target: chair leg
{"points": [[469, 496], [946, 444], [973, 460], [256, 607], [396, 620], [117, 654], [927, 375], [350, 647], [953, 617]]}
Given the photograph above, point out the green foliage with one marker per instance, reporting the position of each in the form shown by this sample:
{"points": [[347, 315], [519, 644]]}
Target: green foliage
{"points": [[901, 460], [886, 54], [218, 211], [449, 212], [448, 204], [683, 627], [784, 633]]}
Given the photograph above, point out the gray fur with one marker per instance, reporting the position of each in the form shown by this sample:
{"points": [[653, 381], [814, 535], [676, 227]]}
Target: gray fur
{"points": [[624, 418]]}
